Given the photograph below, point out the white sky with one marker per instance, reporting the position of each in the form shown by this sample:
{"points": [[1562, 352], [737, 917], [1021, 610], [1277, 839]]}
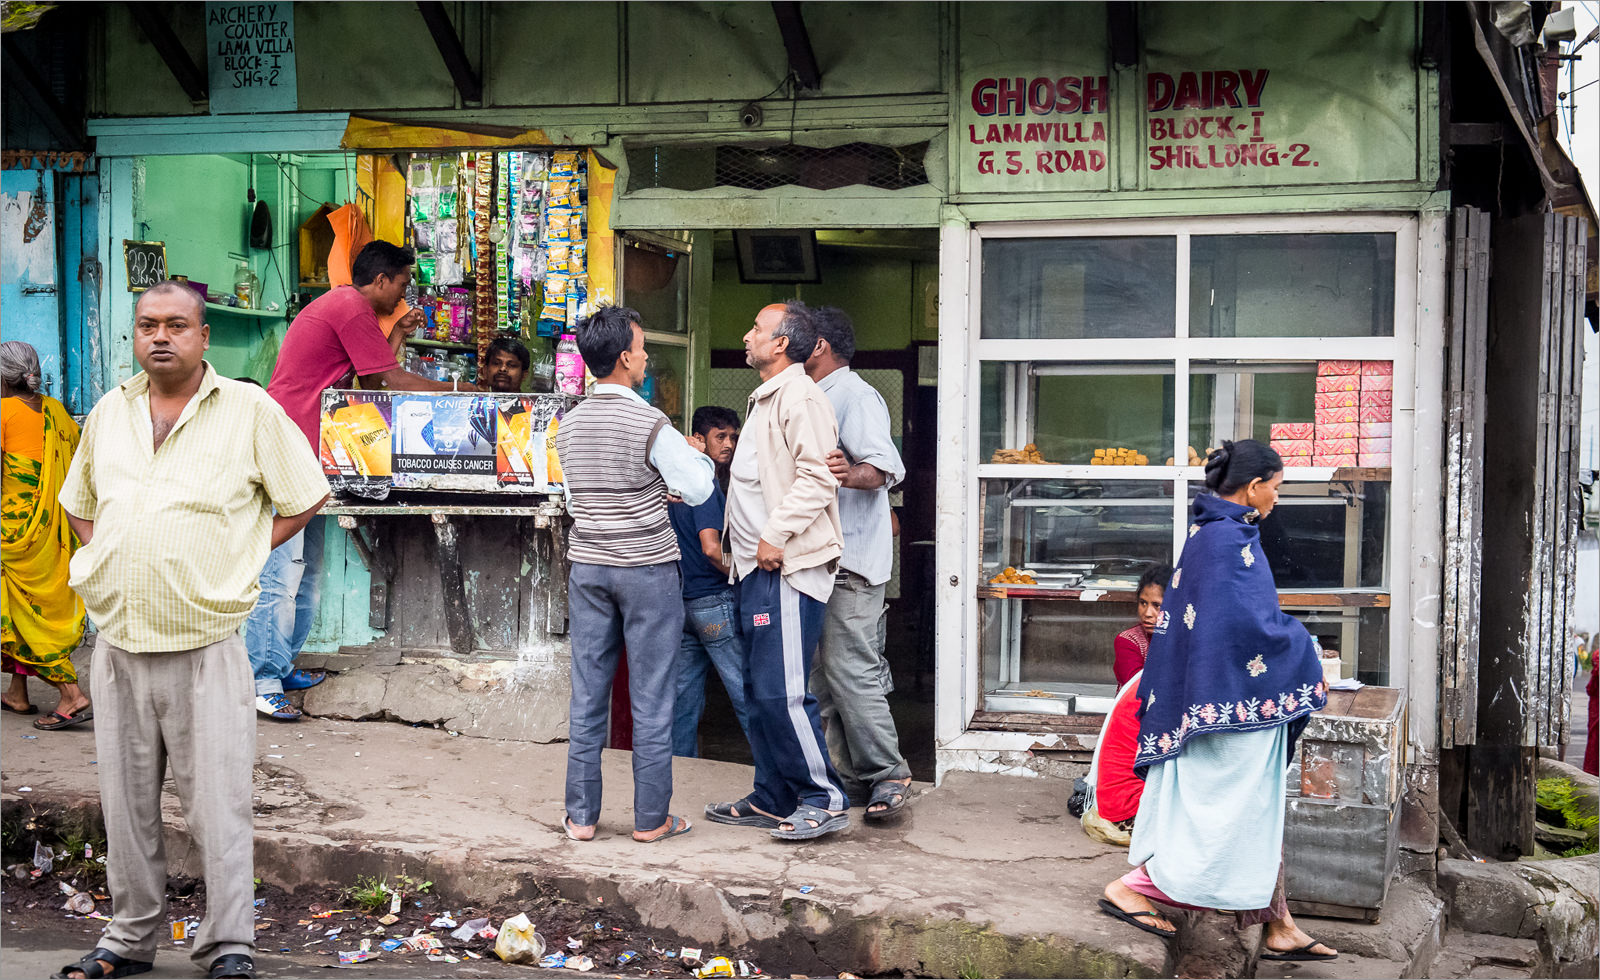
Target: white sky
{"points": [[1580, 134]]}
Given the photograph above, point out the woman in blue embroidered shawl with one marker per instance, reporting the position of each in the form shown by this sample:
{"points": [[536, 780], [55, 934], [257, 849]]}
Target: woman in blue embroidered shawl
{"points": [[1227, 688]]}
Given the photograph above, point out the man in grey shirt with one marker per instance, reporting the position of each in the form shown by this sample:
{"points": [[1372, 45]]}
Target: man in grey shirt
{"points": [[850, 677]]}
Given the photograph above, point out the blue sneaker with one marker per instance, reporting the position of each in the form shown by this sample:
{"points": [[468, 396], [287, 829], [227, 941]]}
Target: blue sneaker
{"points": [[275, 705], [299, 680]]}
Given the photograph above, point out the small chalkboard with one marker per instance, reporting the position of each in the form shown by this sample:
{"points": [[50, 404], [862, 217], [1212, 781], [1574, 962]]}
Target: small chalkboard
{"points": [[146, 263]]}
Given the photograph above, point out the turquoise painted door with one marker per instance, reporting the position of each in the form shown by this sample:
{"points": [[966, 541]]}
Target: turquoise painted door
{"points": [[30, 299]]}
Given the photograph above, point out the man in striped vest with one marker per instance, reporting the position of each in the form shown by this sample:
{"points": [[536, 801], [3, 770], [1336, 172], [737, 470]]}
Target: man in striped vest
{"points": [[623, 461]]}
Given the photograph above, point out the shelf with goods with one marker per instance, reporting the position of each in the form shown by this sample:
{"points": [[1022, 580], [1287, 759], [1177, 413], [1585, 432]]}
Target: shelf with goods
{"points": [[244, 311], [440, 344]]}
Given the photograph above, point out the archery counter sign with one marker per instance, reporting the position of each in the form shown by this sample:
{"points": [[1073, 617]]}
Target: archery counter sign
{"points": [[250, 56]]}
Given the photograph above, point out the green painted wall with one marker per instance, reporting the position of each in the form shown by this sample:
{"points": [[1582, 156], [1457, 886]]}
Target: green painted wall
{"points": [[885, 296]]}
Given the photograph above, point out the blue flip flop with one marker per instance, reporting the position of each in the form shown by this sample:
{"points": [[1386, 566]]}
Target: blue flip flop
{"points": [[299, 680]]}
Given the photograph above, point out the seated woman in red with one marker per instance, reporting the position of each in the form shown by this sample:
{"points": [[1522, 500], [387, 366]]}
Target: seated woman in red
{"points": [[1133, 644], [1114, 789]]}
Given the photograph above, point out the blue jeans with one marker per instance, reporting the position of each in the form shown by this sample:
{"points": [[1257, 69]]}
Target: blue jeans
{"points": [[608, 607], [278, 626], [710, 638]]}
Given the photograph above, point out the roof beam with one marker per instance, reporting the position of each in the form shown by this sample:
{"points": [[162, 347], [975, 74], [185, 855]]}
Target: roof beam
{"points": [[451, 50], [172, 51], [802, 60]]}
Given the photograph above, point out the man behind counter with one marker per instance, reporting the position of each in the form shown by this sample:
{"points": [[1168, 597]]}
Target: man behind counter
{"points": [[336, 337], [505, 365]]}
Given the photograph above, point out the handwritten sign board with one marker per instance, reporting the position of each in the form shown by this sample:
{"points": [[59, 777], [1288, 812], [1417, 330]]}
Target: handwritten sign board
{"points": [[250, 54], [1224, 96], [146, 263]]}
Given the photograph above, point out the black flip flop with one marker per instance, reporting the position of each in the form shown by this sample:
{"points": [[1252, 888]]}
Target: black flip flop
{"points": [[31, 709], [751, 817], [233, 965], [84, 714], [893, 794], [1132, 919], [808, 822], [90, 967], [1301, 955]]}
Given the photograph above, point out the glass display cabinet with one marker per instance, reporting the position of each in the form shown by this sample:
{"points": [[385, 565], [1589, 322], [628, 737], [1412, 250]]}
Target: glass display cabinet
{"points": [[1107, 368]]}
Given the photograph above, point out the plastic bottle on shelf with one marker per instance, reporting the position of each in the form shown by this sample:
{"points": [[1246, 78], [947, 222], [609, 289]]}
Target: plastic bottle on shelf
{"points": [[246, 287], [544, 366], [569, 366]]}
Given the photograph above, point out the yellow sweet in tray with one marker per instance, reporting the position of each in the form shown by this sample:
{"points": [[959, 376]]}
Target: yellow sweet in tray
{"points": [[1010, 576], [1119, 456]]}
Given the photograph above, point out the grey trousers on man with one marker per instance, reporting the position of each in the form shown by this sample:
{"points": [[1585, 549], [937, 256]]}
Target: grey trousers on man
{"points": [[196, 710], [850, 680], [608, 607]]}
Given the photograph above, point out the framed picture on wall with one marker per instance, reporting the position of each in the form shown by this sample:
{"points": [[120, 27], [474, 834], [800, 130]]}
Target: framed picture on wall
{"points": [[780, 255]]}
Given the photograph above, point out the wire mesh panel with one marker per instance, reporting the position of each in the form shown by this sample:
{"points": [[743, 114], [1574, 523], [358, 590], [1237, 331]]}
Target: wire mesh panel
{"points": [[756, 167]]}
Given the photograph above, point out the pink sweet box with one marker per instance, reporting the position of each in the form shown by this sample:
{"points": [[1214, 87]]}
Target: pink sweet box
{"points": [[1334, 416], [1373, 459], [1339, 399], [1377, 382], [1296, 461], [1375, 430], [1338, 430], [1377, 369], [1343, 459], [1374, 399], [1292, 447], [1338, 367], [1292, 430], [1364, 446], [1377, 413], [1339, 382], [1335, 447]]}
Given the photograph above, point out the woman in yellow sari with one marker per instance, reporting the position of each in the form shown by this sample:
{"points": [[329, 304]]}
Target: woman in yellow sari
{"points": [[41, 619]]}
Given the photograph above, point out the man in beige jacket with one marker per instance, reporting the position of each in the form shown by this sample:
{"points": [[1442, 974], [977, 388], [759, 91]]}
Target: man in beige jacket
{"points": [[784, 541]]}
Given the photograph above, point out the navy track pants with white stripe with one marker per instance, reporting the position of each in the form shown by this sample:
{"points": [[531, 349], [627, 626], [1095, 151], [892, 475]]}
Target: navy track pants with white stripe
{"points": [[781, 627]]}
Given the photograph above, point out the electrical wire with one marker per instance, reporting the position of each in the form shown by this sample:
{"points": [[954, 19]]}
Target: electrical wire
{"points": [[279, 164]]}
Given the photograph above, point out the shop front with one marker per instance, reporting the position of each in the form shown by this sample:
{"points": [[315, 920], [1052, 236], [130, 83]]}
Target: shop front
{"points": [[1081, 246]]}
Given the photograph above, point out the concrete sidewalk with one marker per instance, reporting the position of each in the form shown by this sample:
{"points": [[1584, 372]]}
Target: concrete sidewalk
{"points": [[986, 876]]}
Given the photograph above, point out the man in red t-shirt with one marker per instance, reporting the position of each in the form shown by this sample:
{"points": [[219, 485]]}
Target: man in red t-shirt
{"points": [[334, 339]]}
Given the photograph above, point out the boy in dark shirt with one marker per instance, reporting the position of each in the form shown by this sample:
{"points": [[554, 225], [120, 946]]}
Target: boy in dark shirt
{"points": [[710, 628]]}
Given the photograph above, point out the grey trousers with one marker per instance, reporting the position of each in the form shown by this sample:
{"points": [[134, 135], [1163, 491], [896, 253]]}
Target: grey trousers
{"points": [[608, 607], [196, 710], [850, 680]]}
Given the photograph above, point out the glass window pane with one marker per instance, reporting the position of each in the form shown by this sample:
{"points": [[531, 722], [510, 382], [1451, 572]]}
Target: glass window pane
{"points": [[1044, 648], [1074, 410], [1328, 537], [1079, 288], [1244, 401], [1292, 286], [665, 380], [655, 281], [1359, 636]]}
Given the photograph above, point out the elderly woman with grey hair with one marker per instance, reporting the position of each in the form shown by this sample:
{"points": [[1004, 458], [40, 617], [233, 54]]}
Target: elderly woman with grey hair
{"points": [[42, 619]]}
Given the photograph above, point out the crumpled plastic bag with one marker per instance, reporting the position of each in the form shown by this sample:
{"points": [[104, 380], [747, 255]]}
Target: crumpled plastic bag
{"points": [[518, 942]]}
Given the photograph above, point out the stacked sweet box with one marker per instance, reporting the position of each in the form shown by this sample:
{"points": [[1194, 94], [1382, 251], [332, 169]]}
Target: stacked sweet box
{"points": [[1338, 410], [1292, 440], [1374, 438]]}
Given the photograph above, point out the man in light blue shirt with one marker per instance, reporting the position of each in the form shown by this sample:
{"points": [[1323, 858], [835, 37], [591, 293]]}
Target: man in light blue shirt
{"points": [[850, 676]]}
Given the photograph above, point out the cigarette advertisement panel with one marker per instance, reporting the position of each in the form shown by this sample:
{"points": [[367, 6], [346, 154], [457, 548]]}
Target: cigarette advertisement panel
{"points": [[375, 442]]}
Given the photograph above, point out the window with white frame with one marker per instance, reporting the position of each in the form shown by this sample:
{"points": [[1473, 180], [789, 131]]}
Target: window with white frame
{"points": [[1110, 356]]}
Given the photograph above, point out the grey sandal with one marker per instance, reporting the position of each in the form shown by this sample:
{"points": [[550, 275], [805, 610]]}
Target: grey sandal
{"points": [[804, 816], [892, 794]]}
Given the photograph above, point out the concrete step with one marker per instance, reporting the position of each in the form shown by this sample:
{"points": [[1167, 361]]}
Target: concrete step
{"points": [[1476, 954]]}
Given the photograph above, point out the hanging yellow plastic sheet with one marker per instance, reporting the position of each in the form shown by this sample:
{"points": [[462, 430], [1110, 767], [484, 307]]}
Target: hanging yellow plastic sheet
{"points": [[601, 241]]}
